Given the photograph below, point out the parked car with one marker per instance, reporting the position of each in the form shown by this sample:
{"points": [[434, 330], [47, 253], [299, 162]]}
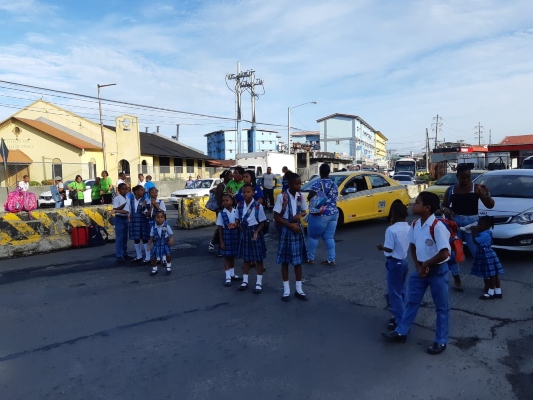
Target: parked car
{"points": [[198, 188], [364, 195], [45, 200], [512, 191], [439, 187], [404, 179]]}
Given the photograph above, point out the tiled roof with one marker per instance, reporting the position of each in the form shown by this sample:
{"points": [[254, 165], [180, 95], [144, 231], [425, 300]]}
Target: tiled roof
{"points": [[305, 133], [58, 134], [514, 140], [242, 130], [221, 163], [16, 157], [154, 144]]}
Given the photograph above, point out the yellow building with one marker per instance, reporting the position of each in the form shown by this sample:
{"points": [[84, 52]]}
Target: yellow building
{"points": [[45, 141], [380, 147]]}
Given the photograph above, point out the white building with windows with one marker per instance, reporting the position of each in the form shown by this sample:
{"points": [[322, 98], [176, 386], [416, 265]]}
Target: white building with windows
{"points": [[347, 135], [222, 144]]}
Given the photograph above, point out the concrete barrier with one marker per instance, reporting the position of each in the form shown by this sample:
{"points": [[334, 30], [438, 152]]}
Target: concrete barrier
{"points": [[192, 213], [43, 231], [413, 190]]}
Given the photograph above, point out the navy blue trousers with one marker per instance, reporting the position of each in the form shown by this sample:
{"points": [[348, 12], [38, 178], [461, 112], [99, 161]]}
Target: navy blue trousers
{"points": [[397, 271], [121, 236]]}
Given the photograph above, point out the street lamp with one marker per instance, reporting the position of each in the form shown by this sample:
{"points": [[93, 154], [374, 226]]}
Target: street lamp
{"points": [[102, 123], [289, 122]]}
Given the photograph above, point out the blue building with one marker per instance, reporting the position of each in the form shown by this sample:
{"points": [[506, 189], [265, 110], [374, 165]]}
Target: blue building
{"points": [[222, 144], [348, 135], [309, 138]]}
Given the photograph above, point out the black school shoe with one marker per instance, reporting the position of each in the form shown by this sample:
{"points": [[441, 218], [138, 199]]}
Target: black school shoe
{"points": [[300, 296], [121, 260], [436, 348], [394, 337]]}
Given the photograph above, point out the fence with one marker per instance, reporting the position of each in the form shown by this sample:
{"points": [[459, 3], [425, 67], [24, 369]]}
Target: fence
{"points": [[163, 173]]}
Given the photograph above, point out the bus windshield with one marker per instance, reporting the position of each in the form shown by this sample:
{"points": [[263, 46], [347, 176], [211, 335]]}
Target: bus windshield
{"points": [[405, 166]]}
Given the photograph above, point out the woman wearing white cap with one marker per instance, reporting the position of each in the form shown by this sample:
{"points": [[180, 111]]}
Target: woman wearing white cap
{"points": [[60, 191]]}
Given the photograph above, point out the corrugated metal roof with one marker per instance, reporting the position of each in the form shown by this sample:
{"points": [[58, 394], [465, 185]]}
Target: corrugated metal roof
{"points": [[58, 134], [305, 133], [16, 157], [153, 144], [514, 140]]}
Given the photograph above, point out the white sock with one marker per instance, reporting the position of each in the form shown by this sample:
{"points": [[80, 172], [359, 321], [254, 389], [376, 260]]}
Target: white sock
{"points": [[154, 268], [232, 272], [146, 251], [286, 288], [138, 250], [244, 278], [498, 290], [491, 292], [259, 280], [228, 274], [299, 287], [168, 266]]}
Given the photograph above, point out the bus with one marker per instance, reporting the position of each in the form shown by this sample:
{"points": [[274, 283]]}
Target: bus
{"points": [[528, 163], [404, 165]]}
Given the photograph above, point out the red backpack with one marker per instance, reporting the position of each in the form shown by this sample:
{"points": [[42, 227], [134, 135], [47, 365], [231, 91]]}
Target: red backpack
{"points": [[15, 201], [456, 243]]}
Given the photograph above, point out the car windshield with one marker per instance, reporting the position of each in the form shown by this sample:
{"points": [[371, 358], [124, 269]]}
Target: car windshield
{"points": [[448, 180], [514, 186], [201, 184], [402, 177], [338, 179]]}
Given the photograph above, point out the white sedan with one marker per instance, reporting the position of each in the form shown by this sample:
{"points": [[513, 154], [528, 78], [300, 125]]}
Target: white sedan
{"points": [[512, 191], [404, 179], [45, 199], [198, 188]]}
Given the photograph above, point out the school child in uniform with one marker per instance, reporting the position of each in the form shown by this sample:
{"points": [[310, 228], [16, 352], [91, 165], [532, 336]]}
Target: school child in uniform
{"points": [[486, 263], [121, 211], [153, 205], [228, 232], [395, 249], [161, 238], [139, 225], [289, 208], [252, 248], [430, 251]]}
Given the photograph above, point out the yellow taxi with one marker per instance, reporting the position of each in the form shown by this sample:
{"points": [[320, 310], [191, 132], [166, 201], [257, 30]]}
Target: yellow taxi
{"points": [[364, 195], [440, 187], [277, 189]]}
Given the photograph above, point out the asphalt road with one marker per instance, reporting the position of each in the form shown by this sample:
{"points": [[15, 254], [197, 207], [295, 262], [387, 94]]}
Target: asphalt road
{"points": [[77, 326]]}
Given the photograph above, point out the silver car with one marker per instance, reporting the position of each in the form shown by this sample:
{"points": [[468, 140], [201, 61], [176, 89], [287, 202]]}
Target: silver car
{"points": [[512, 191]]}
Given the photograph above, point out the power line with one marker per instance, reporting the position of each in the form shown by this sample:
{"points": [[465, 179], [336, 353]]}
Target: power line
{"points": [[437, 125]]}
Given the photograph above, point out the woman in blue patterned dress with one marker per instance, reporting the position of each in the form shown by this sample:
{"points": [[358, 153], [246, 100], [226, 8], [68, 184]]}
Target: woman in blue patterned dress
{"points": [[288, 210], [161, 238], [228, 232], [139, 229], [486, 263], [252, 246]]}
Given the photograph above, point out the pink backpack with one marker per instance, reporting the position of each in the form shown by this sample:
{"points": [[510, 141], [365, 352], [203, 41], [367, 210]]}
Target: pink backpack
{"points": [[15, 201], [30, 201]]}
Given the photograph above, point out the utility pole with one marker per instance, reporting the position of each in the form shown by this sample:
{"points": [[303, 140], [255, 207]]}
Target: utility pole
{"points": [[427, 150], [479, 132], [102, 122], [490, 136], [250, 85], [437, 126]]}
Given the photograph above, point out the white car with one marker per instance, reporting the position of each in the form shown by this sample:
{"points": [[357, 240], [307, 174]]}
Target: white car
{"points": [[45, 199], [196, 189], [404, 179], [512, 191]]}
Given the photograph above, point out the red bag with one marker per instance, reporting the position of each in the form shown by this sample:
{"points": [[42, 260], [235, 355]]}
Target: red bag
{"points": [[80, 236], [456, 243]]}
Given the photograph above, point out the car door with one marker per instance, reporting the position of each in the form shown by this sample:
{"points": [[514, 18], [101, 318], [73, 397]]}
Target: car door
{"points": [[381, 195], [355, 199]]}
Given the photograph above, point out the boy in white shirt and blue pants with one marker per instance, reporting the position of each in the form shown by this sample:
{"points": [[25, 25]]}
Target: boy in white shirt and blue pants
{"points": [[430, 249], [395, 249], [121, 210]]}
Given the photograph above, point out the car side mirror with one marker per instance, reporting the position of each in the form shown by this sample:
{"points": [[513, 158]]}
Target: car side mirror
{"points": [[350, 190]]}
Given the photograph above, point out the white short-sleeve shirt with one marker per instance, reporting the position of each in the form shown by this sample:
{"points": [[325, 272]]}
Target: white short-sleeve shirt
{"points": [[159, 229], [25, 186], [293, 202], [426, 247], [118, 201], [396, 238], [251, 218], [232, 216]]}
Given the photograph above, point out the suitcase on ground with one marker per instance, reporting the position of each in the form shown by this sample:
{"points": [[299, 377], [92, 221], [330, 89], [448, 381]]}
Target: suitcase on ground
{"points": [[80, 236]]}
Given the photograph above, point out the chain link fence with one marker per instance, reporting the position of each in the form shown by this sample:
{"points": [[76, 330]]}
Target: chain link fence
{"points": [[42, 174]]}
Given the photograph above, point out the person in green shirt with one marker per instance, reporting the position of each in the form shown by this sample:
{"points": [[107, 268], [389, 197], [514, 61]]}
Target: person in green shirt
{"points": [[78, 186], [96, 197], [106, 184], [236, 183]]}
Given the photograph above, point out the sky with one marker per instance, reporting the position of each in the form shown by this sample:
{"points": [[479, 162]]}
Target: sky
{"points": [[396, 64]]}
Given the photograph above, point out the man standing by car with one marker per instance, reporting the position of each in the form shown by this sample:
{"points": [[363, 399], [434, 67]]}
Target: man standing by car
{"points": [[269, 184]]}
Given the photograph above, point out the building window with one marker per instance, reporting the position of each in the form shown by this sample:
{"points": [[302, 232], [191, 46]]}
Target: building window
{"points": [[92, 168], [164, 165], [57, 168], [337, 142], [144, 167], [190, 166]]}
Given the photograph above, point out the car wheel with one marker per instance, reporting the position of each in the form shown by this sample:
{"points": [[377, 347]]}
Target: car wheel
{"points": [[176, 206], [340, 221], [389, 217]]}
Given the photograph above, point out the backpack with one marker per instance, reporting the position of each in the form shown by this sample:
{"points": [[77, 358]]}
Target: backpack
{"points": [[30, 201], [317, 204], [212, 204], [15, 201], [456, 243], [95, 236]]}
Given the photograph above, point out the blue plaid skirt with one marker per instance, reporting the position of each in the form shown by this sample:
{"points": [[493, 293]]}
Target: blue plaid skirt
{"points": [[291, 248], [251, 250], [231, 241], [486, 263], [160, 248], [139, 227]]}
